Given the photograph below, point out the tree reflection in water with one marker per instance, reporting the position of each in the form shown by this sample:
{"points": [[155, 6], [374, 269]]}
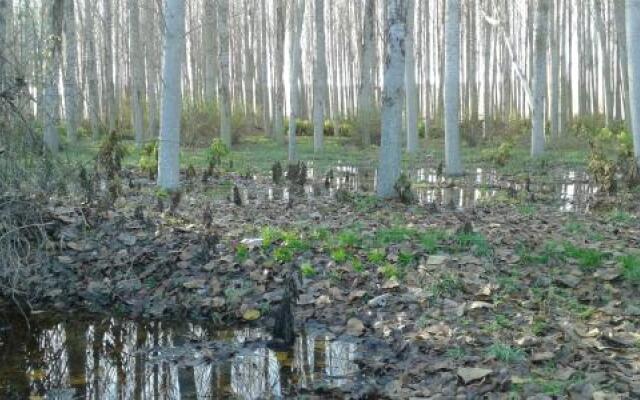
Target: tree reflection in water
{"points": [[112, 359]]}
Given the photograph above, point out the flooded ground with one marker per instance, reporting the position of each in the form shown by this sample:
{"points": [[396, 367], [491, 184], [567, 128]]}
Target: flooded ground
{"points": [[570, 190], [117, 359]]}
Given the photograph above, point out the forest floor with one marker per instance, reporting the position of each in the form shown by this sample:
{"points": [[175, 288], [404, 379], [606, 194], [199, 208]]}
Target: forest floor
{"points": [[502, 284]]}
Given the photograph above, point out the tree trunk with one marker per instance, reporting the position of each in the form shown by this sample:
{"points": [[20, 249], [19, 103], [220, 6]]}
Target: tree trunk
{"points": [[410, 81], [169, 152], [52, 76], [319, 79], [91, 68], [540, 79], [633, 52], [392, 98], [453, 162], [211, 51], [109, 89], [297, 18], [366, 105], [225, 91], [278, 109], [137, 83], [71, 94]]}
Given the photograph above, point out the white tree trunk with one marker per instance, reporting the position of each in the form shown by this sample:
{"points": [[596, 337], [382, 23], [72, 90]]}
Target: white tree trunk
{"points": [[392, 98], [4, 42], [211, 51], [109, 89], [410, 82], [136, 63], [319, 79], [540, 79], [633, 52], [264, 69], [297, 18], [453, 162], [555, 77], [71, 94], [152, 63], [91, 68], [169, 151], [278, 105], [225, 91], [366, 104], [52, 76]]}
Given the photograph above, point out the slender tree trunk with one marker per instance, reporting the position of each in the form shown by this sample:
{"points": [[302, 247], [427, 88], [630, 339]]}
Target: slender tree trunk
{"points": [[91, 68], [319, 79], [153, 67], [71, 94], [633, 52], [225, 97], [540, 79], [278, 123], [555, 73], [211, 51], [51, 93], [297, 17], [136, 65], [366, 105], [410, 81], [264, 70], [392, 98], [109, 89], [606, 69], [169, 152], [453, 162]]}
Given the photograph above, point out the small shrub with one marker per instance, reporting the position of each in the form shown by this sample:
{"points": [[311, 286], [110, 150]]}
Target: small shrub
{"points": [[216, 153], [307, 270], [403, 189], [376, 256], [501, 155], [149, 159], [110, 155]]}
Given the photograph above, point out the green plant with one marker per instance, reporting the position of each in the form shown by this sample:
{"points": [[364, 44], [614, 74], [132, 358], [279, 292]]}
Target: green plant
{"points": [[431, 240], [589, 259], [357, 265], [339, 255], [111, 154], [242, 253], [390, 271], [474, 242], [294, 242], [405, 258], [402, 187], [620, 216], [501, 155], [216, 153], [376, 256], [394, 235], [270, 236], [506, 353], [348, 238], [456, 352], [283, 254], [307, 270], [446, 285], [630, 264], [149, 159]]}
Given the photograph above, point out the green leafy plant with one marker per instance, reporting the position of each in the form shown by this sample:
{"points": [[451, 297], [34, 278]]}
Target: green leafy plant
{"points": [[376, 256], [339, 255], [307, 270], [242, 252], [111, 154], [283, 254], [149, 159], [216, 152], [348, 238], [431, 240], [506, 353], [446, 285], [390, 271], [630, 264], [588, 259], [270, 236], [395, 235]]}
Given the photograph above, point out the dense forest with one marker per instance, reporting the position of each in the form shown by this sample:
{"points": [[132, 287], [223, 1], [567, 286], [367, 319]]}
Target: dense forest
{"points": [[353, 199]]}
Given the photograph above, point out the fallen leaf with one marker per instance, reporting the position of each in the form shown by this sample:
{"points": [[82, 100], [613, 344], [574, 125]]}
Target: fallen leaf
{"points": [[251, 315], [469, 375]]}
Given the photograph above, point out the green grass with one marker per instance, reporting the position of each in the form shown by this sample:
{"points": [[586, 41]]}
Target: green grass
{"points": [[270, 236], [431, 240], [283, 255], [446, 285], [395, 235], [242, 253], [348, 238], [630, 264], [390, 271], [505, 353], [474, 242], [588, 259], [376, 256], [455, 352], [307, 270], [339, 255]]}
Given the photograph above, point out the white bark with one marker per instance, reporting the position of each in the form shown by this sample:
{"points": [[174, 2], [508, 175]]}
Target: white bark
{"points": [[4, 10], [606, 69], [136, 63], [540, 79], [278, 105], [109, 89], [71, 93], [366, 104], [211, 51], [555, 78], [52, 76], [169, 151], [91, 68], [392, 98], [453, 162], [319, 79], [225, 91], [410, 82], [297, 18], [153, 68], [633, 52], [264, 70]]}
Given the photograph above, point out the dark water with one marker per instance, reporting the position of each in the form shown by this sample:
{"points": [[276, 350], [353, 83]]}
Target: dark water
{"points": [[114, 359], [569, 190]]}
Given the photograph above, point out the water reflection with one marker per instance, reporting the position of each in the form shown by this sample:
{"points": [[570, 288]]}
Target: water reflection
{"points": [[114, 359]]}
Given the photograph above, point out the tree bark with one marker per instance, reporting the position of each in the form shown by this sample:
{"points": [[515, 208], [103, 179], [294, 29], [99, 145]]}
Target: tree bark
{"points": [[51, 92], [137, 83], [633, 52], [169, 152], [540, 79], [453, 162], [225, 91], [410, 82], [297, 18], [392, 98], [71, 94], [319, 79]]}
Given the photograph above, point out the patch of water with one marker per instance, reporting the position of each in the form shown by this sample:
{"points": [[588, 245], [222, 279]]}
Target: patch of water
{"points": [[114, 359]]}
